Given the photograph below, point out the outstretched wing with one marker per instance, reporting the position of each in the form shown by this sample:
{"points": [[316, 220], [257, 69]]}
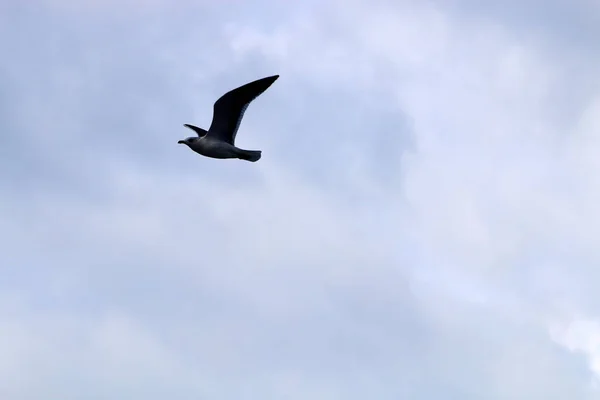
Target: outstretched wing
{"points": [[229, 109], [199, 131]]}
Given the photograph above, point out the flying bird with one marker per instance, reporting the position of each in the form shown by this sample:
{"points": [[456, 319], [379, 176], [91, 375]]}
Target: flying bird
{"points": [[228, 111]]}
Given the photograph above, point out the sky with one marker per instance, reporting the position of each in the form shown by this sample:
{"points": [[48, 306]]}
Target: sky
{"points": [[423, 223]]}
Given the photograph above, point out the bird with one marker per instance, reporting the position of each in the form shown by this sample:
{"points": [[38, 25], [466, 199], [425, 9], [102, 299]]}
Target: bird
{"points": [[228, 111]]}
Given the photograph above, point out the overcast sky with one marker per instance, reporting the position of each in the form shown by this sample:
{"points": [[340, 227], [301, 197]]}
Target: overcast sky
{"points": [[424, 222]]}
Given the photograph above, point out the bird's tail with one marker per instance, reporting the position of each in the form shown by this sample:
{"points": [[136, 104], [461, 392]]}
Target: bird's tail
{"points": [[249, 155]]}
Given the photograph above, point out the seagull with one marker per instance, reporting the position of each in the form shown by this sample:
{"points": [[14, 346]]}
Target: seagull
{"points": [[228, 111]]}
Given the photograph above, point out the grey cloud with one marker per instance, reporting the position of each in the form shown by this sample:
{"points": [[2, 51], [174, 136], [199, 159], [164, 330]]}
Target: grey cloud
{"points": [[135, 270], [571, 24]]}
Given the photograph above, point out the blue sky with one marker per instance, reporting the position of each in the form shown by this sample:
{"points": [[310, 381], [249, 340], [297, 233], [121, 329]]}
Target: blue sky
{"points": [[423, 223]]}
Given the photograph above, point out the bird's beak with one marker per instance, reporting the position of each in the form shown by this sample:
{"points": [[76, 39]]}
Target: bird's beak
{"points": [[181, 142]]}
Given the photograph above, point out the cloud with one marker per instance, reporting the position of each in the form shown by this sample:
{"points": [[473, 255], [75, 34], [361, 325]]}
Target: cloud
{"points": [[421, 224]]}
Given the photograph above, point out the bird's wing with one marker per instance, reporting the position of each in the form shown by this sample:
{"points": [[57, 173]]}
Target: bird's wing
{"points": [[229, 109], [199, 131]]}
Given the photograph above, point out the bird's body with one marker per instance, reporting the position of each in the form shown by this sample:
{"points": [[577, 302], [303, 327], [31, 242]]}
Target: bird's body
{"points": [[228, 111], [215, 148]]}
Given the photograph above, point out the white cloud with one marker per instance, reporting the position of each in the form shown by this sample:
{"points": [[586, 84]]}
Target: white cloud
{"points": [[152, 271]]}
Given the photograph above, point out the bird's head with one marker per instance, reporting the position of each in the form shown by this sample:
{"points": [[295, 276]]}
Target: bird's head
{"points": [[188, 141]]}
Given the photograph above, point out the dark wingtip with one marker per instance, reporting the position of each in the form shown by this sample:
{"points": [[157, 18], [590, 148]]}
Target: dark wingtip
{"points": [[271, 78]]}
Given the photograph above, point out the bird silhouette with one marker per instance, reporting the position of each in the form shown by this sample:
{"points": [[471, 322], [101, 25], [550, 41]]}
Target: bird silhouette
{"points": [[228, 111]]}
